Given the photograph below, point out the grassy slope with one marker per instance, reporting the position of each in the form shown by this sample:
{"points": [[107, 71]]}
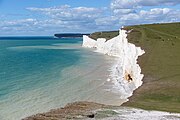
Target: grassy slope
{"points": [[160, 65]]}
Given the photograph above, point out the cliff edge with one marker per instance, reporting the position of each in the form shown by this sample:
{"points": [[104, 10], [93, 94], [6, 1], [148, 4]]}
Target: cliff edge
{"points": [[125, 73]]}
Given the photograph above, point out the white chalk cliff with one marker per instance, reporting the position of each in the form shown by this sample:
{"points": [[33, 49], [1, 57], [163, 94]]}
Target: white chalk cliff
{"points": [[125, 73]]}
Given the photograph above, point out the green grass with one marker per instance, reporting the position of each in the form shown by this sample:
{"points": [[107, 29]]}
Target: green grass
{"points": [[160, 66]]}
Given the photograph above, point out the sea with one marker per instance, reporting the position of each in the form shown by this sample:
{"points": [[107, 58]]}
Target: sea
{"points": [[38, 74]]}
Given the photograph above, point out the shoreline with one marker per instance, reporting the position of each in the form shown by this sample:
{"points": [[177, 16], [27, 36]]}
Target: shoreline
{"points": [[160, 65], [125, 74], [89, 110], [148, 81], [113, 82]]}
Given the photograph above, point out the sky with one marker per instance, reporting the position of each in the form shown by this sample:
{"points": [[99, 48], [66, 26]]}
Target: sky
{"points": [[46, 17]]}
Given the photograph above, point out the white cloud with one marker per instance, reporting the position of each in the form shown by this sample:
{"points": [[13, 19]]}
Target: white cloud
{"points": [[107, 21], [66, 12], [155, 12], [155, 15], [123, 11], [131, 4], [78, 18], [131, 11], [158, 2], [18, 26], [55, 19], [24, 22], [130, 17], [123, 4], [88, 19]]}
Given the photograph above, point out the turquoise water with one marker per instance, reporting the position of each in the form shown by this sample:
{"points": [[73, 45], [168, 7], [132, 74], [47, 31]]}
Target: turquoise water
{"points": [[21, 63], [41, 73]]}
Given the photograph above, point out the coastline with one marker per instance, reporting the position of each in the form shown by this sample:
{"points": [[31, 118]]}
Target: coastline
{"points": [[89, 110], [121, 83], [160, 65], [125, 74], [148, 81]]}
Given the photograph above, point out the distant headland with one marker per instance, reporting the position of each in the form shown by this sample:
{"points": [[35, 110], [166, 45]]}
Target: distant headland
{"points": [[69, 35]]}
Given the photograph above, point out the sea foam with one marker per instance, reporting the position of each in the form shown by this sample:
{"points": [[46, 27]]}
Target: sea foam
{"points": [[125, 73]]}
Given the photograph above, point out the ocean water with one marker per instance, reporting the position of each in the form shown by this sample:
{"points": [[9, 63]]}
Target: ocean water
{"points": [[42, 73]]}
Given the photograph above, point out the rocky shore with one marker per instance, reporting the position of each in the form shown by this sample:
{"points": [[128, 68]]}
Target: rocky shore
{"points": [[77, 110], [94, 111]]}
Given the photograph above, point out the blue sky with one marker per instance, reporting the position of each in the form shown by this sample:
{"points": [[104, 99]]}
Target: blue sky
{"points": [[46, 17]]}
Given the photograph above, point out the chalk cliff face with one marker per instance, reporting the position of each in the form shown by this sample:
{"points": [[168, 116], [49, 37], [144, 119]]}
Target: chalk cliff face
{"points": [[125, 73]]}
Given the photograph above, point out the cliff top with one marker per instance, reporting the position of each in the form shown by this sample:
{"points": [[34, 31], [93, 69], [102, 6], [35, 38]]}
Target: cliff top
{"points": [[160, 65]]}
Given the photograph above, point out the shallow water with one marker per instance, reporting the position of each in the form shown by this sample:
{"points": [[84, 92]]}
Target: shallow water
{"points": [[38, 74]]}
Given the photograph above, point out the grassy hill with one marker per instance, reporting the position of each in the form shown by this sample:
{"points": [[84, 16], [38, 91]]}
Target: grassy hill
{"points": [[160, 65]]}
